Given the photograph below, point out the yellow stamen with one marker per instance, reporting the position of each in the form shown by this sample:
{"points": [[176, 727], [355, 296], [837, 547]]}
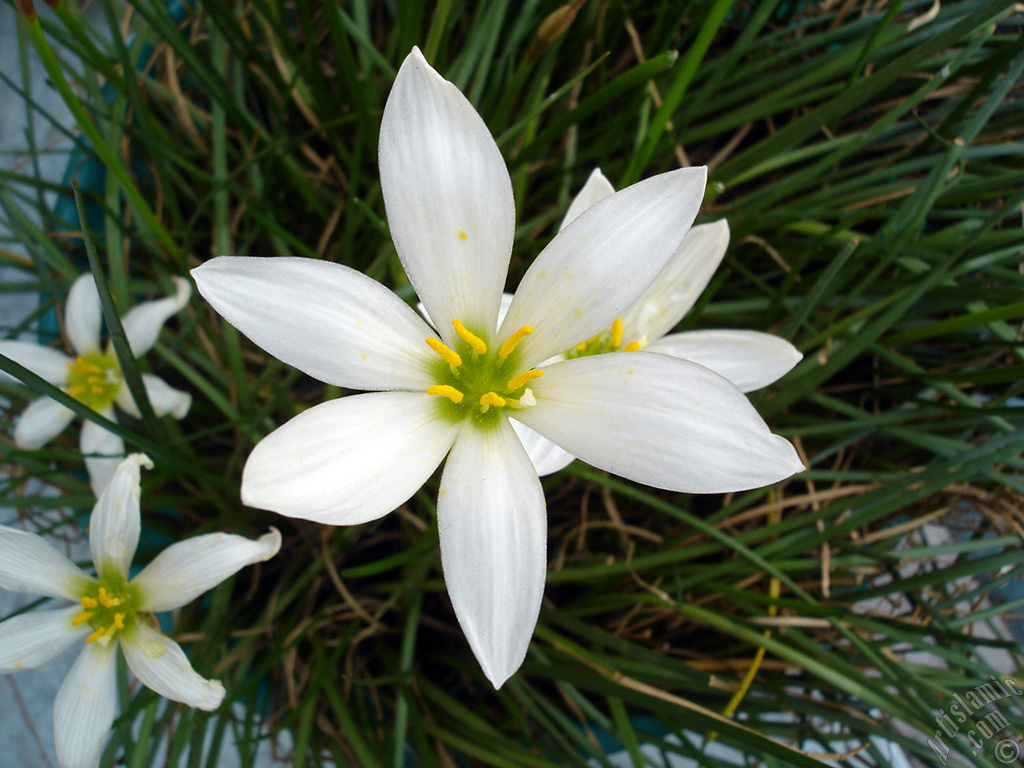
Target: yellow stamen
{"points": [[95, 635], [107, 600], [470, 338], [96, 389], [633, 346], [492, 398], [450, 356], [522, 378], [83, 616], [119, 620], [513, 340], [445, 390], [581, 347], [617, 332], [88, 602]]}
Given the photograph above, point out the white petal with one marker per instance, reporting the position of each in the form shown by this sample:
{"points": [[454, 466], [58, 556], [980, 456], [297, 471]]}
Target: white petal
{"points": [[328, 320], [82, 315], [506, 302], [42, 421], [680, 284], [116, 520], [43, 361], [658, 420], [187, 569], [599, 265], [349, 460], [492, 524], [30, 640], [749, 359], [162, 396], [162, 666], [85, 707], [547, 457], [448, 198], [28, 563], [142, 323], [103, 452], [594, 191]]}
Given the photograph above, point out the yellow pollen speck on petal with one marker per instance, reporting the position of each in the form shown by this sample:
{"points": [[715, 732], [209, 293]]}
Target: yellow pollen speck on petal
{"points": [[470, 338], [492, 398], [88, 602], [617, 332], [513, 341], [462, 234], [633, 346], [446, 390], [450, 356], [522, 378], [83, 616]]}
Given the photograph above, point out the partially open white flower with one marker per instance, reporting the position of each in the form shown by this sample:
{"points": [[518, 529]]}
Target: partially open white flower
{"points": [[749, 359], [112, 610], [455, 391], [93, 376]]}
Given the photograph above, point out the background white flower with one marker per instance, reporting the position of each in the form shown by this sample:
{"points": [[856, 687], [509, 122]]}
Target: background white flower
{"points": [[93, 376], [749, 359], [652, 418], [112, 611]]}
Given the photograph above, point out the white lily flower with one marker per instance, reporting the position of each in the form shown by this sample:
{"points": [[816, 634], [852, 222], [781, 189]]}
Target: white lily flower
{"points": [[652, 418], [112, 610], [749, 359], [94, 378]]}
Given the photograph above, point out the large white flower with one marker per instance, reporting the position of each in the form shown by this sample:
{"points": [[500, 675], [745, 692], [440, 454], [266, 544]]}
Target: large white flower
{"points": [[652, 418], [93, 376], [749, 359], [110, 611]]}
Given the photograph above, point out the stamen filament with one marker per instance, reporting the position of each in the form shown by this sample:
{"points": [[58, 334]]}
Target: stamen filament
{"points": [[446, 390], [522, 378], [617, 332], [470, 338], [450, 356], [82, 617], [513, 340]]}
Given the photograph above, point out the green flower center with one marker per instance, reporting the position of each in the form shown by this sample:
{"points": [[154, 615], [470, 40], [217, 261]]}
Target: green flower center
{"points": [[94, 379], [606, 341], [109, 607], [478, 383]]}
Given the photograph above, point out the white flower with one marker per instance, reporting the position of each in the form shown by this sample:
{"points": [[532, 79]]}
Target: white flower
{"points": [[652, 418], [93, 376], [749, 359], [111, 611]]}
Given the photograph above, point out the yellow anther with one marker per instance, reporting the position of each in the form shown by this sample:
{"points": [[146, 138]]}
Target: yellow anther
{"points": [[88, 602], [445, 390], [96, 389], [107, 600], [513, 340], [617, 332], [522, 378], [95, 635], [118, 621], [633, 346], [83, 616], [450, 356], [492, 398], [581, 347], [470, 338]]}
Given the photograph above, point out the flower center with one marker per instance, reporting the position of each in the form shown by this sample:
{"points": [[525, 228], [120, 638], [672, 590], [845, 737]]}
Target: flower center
{"points": [[606, 341], [94, 379], [108, 607], [474, 381]]}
